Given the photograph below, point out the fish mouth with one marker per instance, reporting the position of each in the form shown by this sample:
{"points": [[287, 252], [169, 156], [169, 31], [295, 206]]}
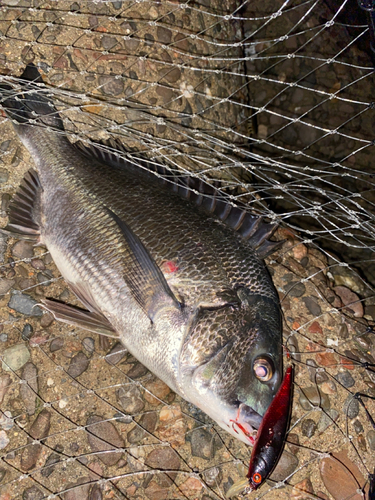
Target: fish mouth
{"points": [[236, 417], [246, 423], [250, 416]]}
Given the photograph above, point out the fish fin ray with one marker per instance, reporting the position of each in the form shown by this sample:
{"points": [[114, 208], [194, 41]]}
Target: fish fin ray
{"points": [[109, 151], [23, 206], [268, 247], [74, 316], [260, 242], [144, 278], [19, 233], [83, 293]]}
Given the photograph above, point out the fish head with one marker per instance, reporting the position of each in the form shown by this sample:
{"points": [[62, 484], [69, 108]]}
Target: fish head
{"points": [[231, 362]]}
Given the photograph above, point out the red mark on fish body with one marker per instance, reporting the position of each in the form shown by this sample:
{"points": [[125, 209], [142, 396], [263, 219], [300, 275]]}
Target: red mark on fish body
{"points": [[271, 434], [169, 267]]}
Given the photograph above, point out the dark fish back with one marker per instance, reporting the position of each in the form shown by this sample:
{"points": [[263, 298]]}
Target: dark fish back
{"points": [[209, 256], [207, 196]]}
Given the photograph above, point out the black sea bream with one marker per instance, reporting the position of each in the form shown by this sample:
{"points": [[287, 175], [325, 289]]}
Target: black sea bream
{"points": [[175, 274]]}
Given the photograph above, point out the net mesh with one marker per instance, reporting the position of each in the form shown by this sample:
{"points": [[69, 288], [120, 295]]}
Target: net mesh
{"points": [[271, 102]]}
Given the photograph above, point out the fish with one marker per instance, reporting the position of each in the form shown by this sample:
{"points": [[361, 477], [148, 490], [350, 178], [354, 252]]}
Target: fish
{"points": [[167, 267]]}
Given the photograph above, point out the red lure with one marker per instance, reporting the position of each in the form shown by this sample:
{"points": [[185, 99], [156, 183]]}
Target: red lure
{"points": [[271, 434]]}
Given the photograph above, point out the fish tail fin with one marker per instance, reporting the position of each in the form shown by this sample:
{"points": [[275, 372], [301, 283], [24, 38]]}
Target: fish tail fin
{"points": [[29, 102]]}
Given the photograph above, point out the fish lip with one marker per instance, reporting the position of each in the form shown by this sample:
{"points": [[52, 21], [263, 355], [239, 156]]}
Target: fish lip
{"points": [[249, 416]]}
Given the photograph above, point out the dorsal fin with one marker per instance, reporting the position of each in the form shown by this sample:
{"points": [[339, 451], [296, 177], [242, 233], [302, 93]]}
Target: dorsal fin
{"points": [[207, 196], [22, 208]]}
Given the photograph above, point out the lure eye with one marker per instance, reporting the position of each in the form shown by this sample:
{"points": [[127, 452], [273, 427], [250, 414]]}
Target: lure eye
{"points": [[263, 369], [257, 478]]}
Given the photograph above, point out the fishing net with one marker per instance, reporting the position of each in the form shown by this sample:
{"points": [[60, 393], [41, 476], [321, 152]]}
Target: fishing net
{"points": [[272, 103]]}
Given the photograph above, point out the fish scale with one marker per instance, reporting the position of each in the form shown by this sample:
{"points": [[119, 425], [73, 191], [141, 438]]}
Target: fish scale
{"points": [[199, 263], [185, 293]]}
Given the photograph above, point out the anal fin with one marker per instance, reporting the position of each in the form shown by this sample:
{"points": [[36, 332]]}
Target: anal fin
{"points": [[86, 320], [23, 207]]}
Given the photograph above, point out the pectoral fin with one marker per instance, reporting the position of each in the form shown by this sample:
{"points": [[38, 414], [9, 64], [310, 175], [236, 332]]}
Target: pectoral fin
{"points": [[143, 277], [86, 320]]}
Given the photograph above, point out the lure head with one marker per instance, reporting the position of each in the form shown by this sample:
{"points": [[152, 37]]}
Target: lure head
{"points": [[260, 467], [231, 363], [255, 480]]}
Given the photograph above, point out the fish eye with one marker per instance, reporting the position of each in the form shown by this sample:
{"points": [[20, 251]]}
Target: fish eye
{"points": [[263, 369]]}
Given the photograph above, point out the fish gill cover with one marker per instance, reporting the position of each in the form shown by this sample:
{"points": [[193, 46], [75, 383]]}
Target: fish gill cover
{"points": [[273, 101]]}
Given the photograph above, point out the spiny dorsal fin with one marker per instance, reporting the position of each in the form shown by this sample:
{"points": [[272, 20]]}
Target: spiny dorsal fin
{"points": [[250, 227], [23, 206]]}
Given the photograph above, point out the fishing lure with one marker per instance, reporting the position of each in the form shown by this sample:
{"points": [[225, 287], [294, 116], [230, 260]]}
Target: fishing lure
{"points": [[270, 439], [371, 493], [271, 434]]}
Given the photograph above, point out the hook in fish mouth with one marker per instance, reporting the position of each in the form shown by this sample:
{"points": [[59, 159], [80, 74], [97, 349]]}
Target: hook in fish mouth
{"points": [[246, 423]]}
